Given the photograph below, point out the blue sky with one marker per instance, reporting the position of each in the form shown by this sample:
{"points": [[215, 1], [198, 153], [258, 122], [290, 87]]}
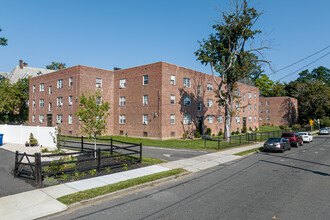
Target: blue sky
{"points": [[107, 34]]}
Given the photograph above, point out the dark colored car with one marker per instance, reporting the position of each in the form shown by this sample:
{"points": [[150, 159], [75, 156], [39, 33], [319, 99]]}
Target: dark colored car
{"points": [[294, 138], [277, 144]]}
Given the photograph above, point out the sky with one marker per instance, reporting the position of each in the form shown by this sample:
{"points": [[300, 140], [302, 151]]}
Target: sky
{"points": [[107, 34]]}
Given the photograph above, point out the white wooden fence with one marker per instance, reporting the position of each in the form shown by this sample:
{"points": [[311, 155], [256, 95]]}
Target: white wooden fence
{"points": [[19, 134]]}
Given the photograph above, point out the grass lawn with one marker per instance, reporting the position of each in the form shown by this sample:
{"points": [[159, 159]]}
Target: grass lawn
{"points": [[268, 129], [92, 193]]}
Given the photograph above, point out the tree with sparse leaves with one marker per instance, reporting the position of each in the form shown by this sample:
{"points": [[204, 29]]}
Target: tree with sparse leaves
{"points": [[56, 66], [3, 41], [227, 53]]}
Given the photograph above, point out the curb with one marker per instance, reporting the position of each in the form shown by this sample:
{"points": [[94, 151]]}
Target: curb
{"points": [[77, 204]]}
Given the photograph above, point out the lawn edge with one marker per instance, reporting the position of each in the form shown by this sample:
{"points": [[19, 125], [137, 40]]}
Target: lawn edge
{"points": [[249, 152]]}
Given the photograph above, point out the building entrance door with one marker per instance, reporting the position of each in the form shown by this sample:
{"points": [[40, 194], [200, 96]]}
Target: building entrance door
{"points": [[244, 121], [200, 124], [49, 120]]}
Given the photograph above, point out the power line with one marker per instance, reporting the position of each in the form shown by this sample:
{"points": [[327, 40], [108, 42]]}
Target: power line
{"points": [[299, 60], [305, 66]]}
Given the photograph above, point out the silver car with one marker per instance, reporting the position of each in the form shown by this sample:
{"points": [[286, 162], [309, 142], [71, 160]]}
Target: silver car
{"points": [[277, 144], [324, 131], [307, 137]]}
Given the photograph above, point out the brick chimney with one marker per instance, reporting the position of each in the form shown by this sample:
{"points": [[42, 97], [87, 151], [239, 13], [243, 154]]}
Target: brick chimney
{"points": [[21, 64], [25, 64], [61, 67]]}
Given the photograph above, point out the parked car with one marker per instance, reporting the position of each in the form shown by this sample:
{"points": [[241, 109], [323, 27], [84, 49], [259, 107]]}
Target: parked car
{"points": [[324, 131], [307, 137], [294, 138], [277, 144]]}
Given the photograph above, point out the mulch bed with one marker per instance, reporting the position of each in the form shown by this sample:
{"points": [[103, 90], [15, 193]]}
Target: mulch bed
{"points": [[116, 166]]}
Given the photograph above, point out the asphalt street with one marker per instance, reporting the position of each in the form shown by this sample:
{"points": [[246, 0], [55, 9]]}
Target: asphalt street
{"points": [[290, 185]]}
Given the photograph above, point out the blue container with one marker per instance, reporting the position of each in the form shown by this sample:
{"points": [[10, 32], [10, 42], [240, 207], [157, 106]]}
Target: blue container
{"points": [[1, 137]]}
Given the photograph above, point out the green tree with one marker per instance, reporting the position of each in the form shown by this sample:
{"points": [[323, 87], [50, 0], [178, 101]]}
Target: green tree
{"points": [[3, 41], [55, 66], [22, 87], [93, 112], [269, 88], [321, 73], [225, 51]]}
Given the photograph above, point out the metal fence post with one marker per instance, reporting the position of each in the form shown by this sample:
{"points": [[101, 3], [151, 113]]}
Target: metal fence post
{"points": [[268, 134], [98, 159], [218, 143], [16, 164], [111, 149], [205, 143], [82, 143], [140, 152], [240, 139]]}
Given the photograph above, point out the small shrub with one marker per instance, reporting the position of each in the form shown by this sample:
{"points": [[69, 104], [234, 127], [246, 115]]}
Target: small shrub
{"points": [[244, 129], [256, 129], [213, 135], [45, 150], [92, 172], [283, 127], [220, 133], [296, 126], [233, 132], [272, 125], [107, 169], [76, 175], [208, 131], [125, 167], [184, 136], [237, 132], [65, 176], [49, 181], [250, 129], [198, 134]]}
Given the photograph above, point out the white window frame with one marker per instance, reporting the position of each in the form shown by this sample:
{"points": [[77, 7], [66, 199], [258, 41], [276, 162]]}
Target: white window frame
{"points": [[250, 107], [261, 111], [41, 119], [59, 119], [186, 119], [243, 96], [172, 119], [209, 87], [260, 103], [33, 118], [210, 119], [122, 119], [250, 95], [59, 101], [237, 106], [267, 118], [250, 118], [34, 88], [122, 83], [33, 103], [98, 82], [60, 83], [267, 111], [42, 87], [144, 119], [41, 103], [172, 99], [255, 118], [220, 119], [243, 109], [122, 101], [145, 80], [187, 101], [70, 119], [173, 80], [49, 106], [255, 95], [238, 120], [50, 90], [255, 107], [260, 118], [199, 106], [70, 81], [99, 100], [267, 102], [209, 103], [145, 99], [199, 90], [186, 82], [237, 92]]}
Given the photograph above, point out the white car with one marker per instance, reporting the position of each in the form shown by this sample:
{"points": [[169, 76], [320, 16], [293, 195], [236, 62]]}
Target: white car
{"points": [[324, 131], [307, 137]]}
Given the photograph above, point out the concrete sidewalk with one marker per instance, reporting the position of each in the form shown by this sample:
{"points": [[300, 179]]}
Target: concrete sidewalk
{"points": [[42, 202]]}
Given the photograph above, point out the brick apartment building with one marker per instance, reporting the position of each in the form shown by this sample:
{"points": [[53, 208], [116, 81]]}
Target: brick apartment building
{"points": [[278, 111], [158, 100]]}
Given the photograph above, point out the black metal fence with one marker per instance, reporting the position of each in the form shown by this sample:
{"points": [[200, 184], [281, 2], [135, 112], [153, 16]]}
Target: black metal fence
{"points": [[108, 154]]}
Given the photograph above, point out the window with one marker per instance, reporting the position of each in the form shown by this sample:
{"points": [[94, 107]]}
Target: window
{"points": [[220, 119], [70, 82], [260, 103], [172, 79], [98, 83], [255, 95], [243, 96], [237, 105], [172, 119], [50, 107], [209, 87], [243, 109], [99, 100], [210, 119], [237, 119], [172, 134], [41, 103], [41, 118], [145, 80], [145, 119], [267, 111], [42, 87], [267, 103], [70, 100], [59, 101], [70, 119], [33, 118], [199, 90], [186, 82], [250, 118], [34, 103], [121, 132], [34, 88], [186, 101], [255, 118], [60, 83], [122, 83], [260, 118], [267, 119], [122, 101], [209, 103], [145, 100], [255, 107], [250, 107], [172, 99], [186, 119], [145, 134], [59, 119], [199, 106], [260, 110], [50, 89], [237, 92], [122, 119], [250, 95]]}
